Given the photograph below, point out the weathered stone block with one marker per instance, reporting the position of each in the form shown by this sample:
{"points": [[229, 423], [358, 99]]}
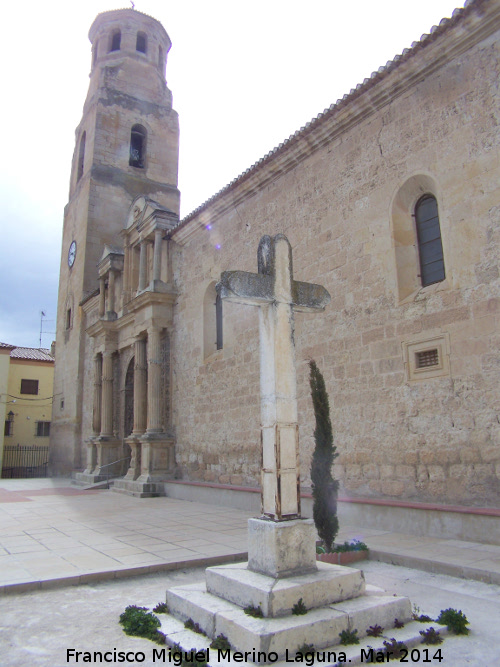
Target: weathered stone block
{"points": [[281, 549]]}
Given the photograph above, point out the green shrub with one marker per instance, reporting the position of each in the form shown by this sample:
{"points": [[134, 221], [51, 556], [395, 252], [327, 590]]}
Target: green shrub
{"points": [[140, 622], [355, 545], [349, 637], [430, 636], [195, 627], [306, 648], [221, 642], [374, 631], [423, 618], [395, 648], [454, 620], [256, 612], [299, 608]]}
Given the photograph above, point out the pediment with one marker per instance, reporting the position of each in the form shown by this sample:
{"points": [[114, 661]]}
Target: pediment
{"points": [[144, 209]]}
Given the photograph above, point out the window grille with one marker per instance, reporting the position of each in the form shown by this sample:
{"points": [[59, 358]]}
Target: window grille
{"points": [[427, 358]]}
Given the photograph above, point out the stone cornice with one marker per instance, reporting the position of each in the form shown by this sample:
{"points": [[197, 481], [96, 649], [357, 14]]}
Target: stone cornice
{"points": [[152, 298], [102, 327], [453, 37]]}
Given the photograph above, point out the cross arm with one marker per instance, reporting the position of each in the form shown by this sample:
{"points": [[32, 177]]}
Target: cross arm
{"points": [[309, 296], [243, 287]]}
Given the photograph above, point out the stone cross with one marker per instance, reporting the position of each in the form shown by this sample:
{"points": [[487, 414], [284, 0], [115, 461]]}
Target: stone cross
{"points": [[278, 295]]}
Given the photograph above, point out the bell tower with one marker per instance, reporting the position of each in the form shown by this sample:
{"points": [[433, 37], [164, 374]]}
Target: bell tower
{"points": [[126, 146]]}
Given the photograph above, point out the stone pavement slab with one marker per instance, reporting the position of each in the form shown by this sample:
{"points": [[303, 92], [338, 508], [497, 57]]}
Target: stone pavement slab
{"points": [[53, 534]]}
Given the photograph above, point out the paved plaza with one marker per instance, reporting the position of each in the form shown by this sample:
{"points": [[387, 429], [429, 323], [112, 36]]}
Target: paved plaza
{"points": [[72, 560], [53, 534]]}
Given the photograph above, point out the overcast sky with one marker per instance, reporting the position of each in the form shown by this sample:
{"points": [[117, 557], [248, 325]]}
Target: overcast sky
{"points": [[244, 77]]}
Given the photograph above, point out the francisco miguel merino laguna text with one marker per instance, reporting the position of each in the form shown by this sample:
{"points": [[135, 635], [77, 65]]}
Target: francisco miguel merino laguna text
{"points": [[176, 657]]}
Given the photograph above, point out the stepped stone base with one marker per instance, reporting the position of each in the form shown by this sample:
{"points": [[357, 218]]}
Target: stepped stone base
{"points": [[282, 570], [276, 597], [139, 489], [334, 596], [329, 656]]}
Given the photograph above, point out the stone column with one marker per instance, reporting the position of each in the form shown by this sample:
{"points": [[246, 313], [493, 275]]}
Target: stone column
{"points": [[96, 420], [107, 395], [140, 387], [102, 296], [154, 381], [157, 255], [143, 267], [111, 292]]}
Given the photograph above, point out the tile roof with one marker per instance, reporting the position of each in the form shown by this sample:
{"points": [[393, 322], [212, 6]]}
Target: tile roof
{"points": [[32, 353], [6, 346]]}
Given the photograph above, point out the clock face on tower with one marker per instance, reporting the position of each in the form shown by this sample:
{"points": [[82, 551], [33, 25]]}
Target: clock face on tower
{"points": [[72, 254]]}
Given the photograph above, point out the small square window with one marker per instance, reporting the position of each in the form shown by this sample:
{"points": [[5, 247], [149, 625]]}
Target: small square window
{"points": [[43, 429], [29, 387], [425, 359]]}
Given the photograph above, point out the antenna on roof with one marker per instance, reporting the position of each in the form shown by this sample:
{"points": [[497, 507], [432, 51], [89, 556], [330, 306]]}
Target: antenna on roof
{"points": [[42, 315]]}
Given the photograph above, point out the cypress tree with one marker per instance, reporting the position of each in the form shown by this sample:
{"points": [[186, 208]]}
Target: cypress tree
{"points": [[324, 487]]}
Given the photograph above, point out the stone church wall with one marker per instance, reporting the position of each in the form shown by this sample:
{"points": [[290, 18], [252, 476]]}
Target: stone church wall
{"points": [[429, 439]]}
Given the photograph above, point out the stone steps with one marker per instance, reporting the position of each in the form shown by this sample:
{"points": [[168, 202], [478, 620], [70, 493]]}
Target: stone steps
{"points": [[320, 626], [355, 654], [276, 597], [139, 489]]}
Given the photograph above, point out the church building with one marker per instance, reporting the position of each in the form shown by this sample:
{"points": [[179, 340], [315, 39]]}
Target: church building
{"points": [[390, 199]]}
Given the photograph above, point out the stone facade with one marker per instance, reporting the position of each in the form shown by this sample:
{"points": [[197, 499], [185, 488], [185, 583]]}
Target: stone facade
{"points": [[343, 190], [412, 371]]}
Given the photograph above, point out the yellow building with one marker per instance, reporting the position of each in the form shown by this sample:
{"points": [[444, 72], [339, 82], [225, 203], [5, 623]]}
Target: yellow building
{"points": [[26, 380]]}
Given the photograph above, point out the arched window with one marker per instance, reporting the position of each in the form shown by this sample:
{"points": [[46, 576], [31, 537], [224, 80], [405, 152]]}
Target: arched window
{"points": [[141, 42], [116, 39], [137, 146], [160, 57], [430, 247], [81, 157]]}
